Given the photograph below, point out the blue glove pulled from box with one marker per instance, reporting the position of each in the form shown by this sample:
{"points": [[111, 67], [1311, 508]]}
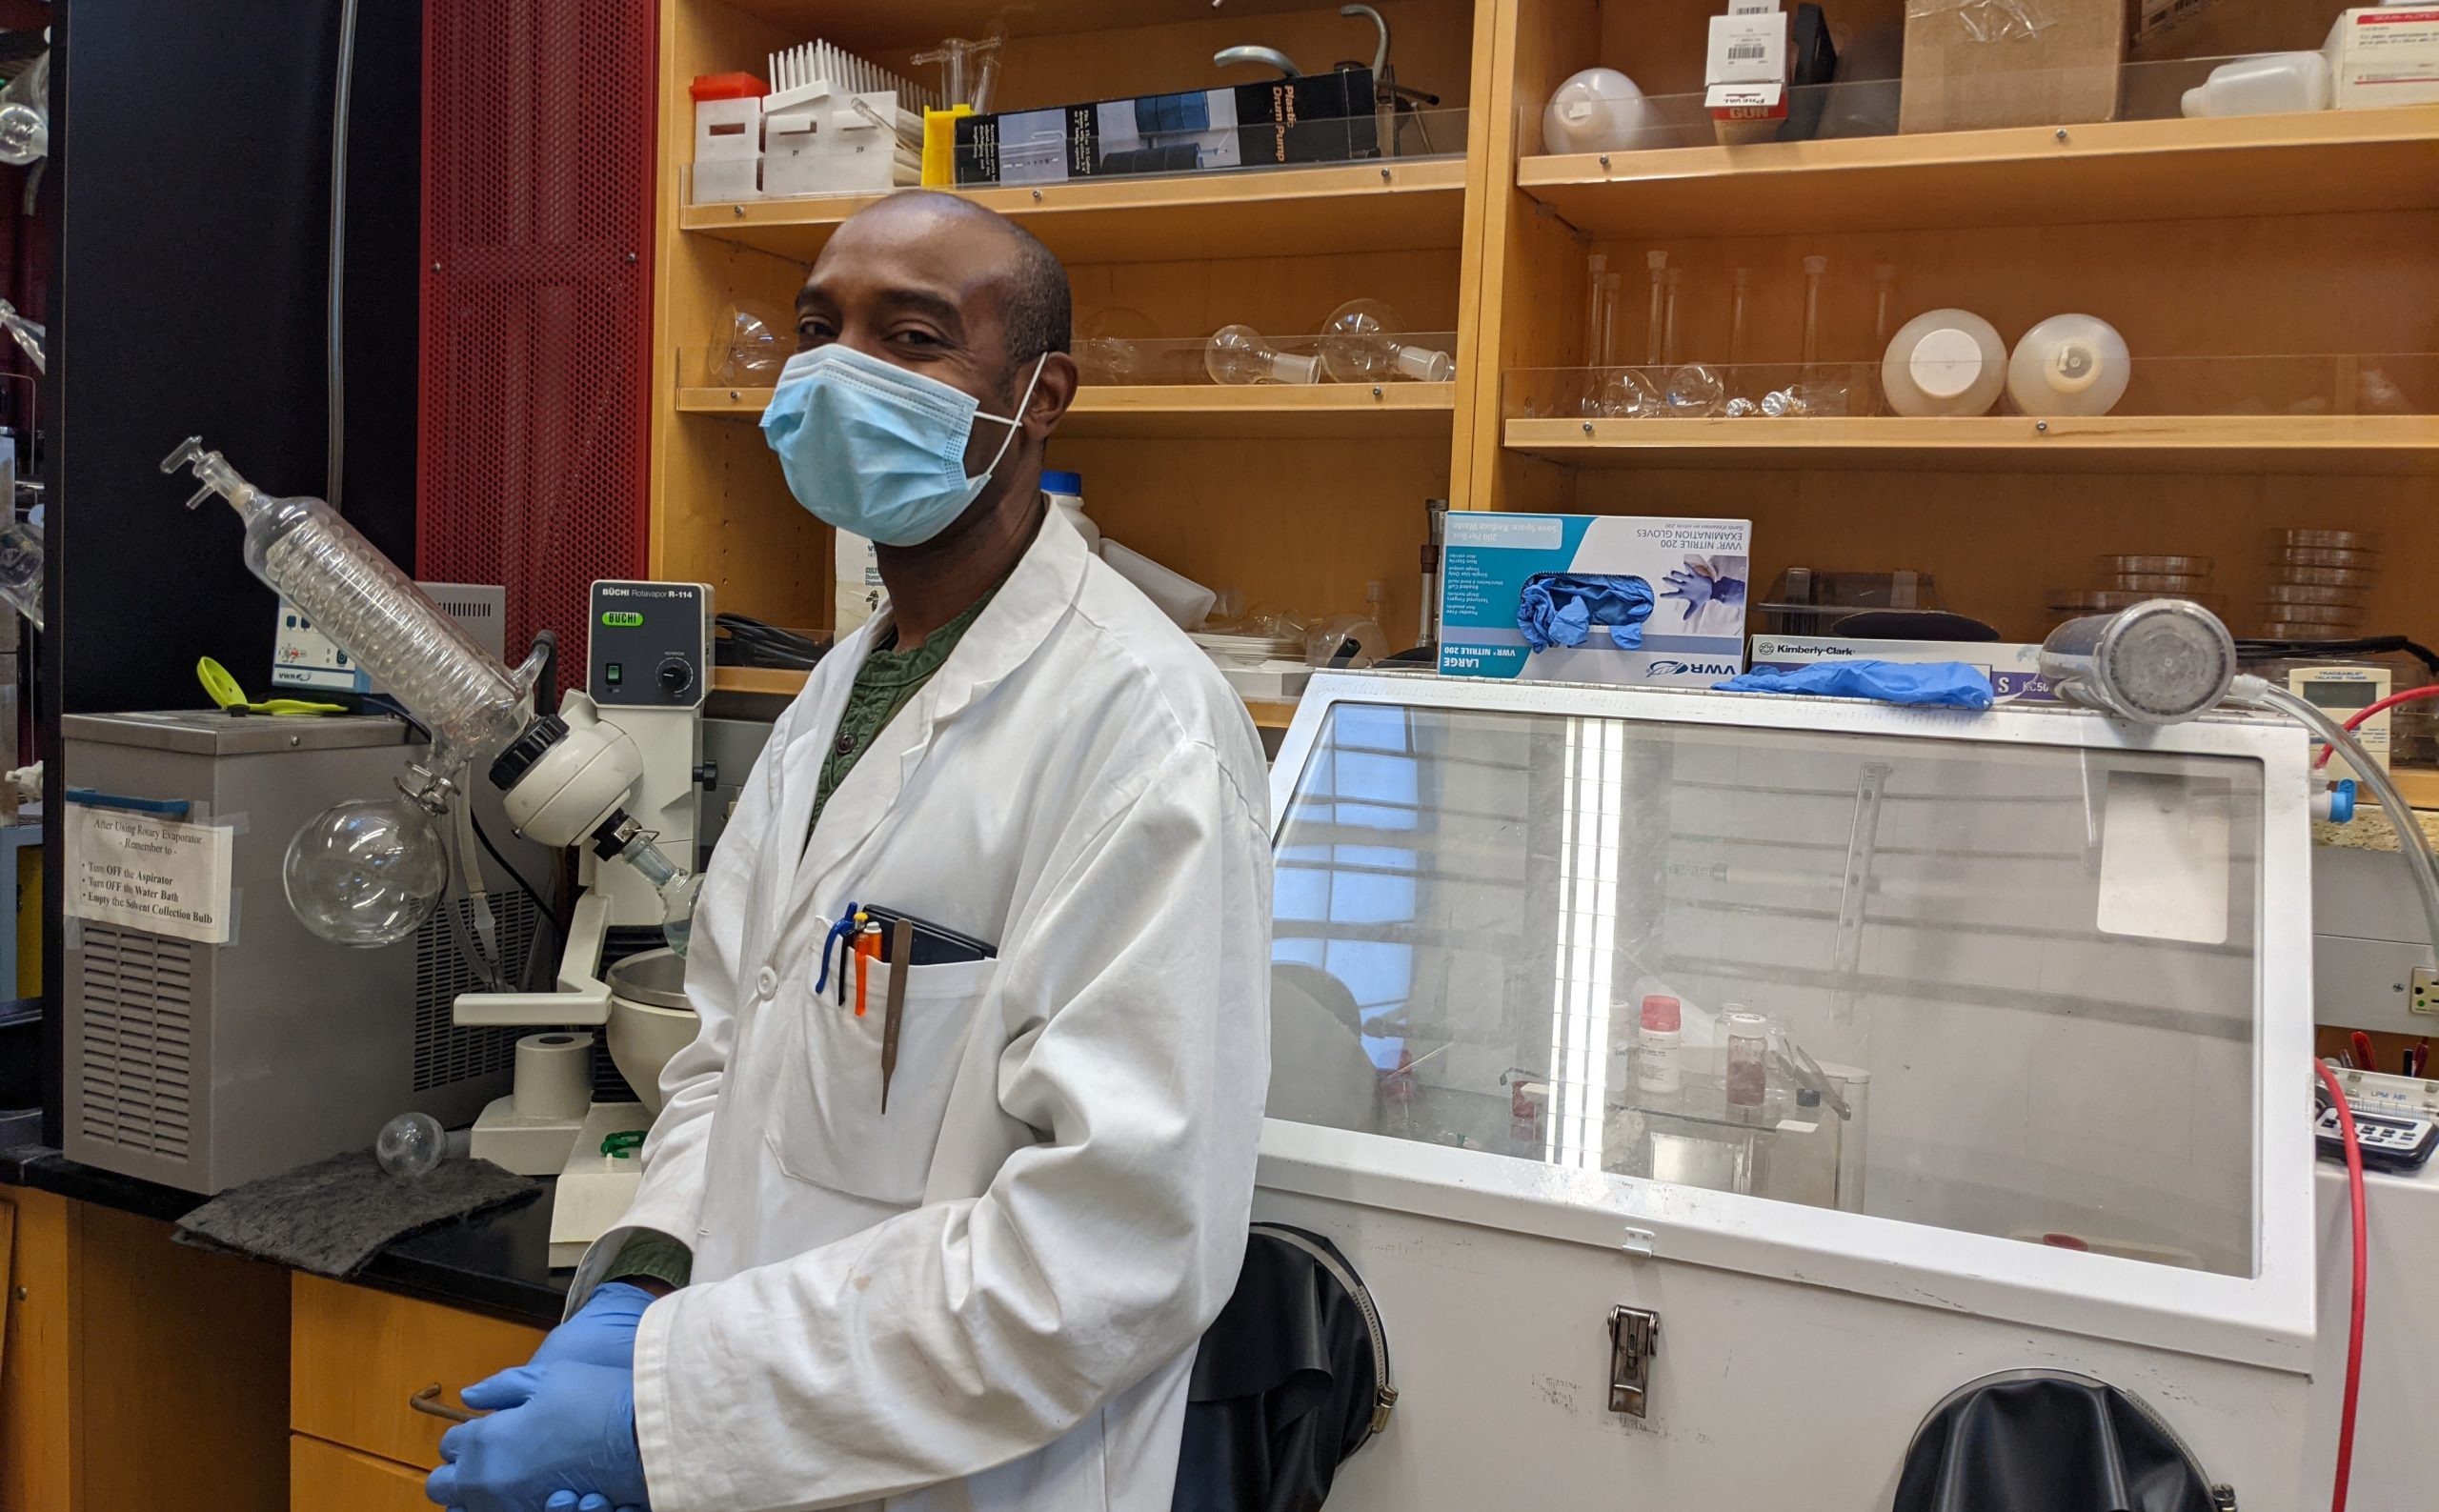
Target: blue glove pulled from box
{"points": [[1560, 609], [1927, 684]]}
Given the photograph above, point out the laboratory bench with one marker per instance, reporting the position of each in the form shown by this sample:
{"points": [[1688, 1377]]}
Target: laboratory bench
{"points": [[314, 1394]]}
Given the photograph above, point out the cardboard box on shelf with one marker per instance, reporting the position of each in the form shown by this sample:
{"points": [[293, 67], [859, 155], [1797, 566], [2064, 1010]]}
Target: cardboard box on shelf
{"points": [[1318, 118], [1686, 579], [2383, 55], [1972, 65]]}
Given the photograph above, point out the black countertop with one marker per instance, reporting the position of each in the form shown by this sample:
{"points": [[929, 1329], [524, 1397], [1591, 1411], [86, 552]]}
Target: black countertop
{"points": [[498, 1261]]}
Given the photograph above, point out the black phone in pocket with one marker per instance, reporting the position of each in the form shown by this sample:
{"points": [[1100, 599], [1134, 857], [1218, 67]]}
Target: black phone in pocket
{"points": [[933, 945]]}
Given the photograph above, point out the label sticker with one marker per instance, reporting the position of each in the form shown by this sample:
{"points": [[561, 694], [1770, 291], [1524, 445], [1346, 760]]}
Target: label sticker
{"points": [[150, 873]]}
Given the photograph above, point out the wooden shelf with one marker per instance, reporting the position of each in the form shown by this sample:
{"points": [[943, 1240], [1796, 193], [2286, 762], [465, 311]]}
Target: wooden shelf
{"points": [[2240, 444], [1358, 207], [1267, 412], [1268, 713], [2110, 170], [779, 680], [906, 23]]}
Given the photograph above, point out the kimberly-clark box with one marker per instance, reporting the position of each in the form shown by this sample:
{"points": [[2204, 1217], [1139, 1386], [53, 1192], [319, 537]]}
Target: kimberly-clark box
{"points": [[1695, 572], [2014, 669]]}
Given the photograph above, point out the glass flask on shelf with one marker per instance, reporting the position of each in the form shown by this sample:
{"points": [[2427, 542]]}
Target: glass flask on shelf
{"points": [[1361, 343], [1242, 354]]}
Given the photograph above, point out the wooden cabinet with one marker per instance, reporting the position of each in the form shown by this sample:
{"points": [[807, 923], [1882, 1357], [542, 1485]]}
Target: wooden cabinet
{"points": [[377, 1376], [2271, 275], [137, 1372], [325, 1478], [1298, 497]]}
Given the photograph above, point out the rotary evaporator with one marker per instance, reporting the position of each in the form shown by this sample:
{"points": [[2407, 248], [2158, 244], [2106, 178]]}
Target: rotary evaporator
{"points": [[616, 771]]}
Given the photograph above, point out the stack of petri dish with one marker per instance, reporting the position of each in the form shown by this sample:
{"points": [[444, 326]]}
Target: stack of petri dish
{"points": [[2320, 584], [2126, 581]]}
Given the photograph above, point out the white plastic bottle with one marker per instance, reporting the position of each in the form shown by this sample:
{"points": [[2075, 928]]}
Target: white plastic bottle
{"points": [[1065, 491], [1657, 1077], [1944, 362], [1598, 111], [2069, 365], [2269, 84]]}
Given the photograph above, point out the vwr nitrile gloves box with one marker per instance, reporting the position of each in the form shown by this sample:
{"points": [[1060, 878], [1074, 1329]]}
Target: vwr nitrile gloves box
{"points": [[1593, 597]]}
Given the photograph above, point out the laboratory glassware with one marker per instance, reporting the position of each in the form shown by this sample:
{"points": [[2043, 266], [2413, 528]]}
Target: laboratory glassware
{"points": [[1694, 389], [1944, 362], [1624, 391], [1596, 111], [29, 334], [1360, 343], [750, 342], [358, 872], [969, 70], [1111, 345], [325, 569], [21, 568], [1595, 267], [1656, 264], [1242, 354], [366, 872], [1816, 393], [2069, 365], [1744, 1059], [411, 1145]]}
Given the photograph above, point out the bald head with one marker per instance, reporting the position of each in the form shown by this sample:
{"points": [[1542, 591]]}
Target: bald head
{"points": [[981, 250]]}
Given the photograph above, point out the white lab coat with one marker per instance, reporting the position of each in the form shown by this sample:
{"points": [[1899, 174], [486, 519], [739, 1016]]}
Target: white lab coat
{"points": [[990, 1297]]}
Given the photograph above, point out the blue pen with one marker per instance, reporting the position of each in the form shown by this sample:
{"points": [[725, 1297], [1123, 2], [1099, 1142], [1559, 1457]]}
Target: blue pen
{"points": [[840, 931]]}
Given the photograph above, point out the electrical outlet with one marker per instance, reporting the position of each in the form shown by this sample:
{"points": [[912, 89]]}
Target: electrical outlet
{"points": [[2426, 991]]}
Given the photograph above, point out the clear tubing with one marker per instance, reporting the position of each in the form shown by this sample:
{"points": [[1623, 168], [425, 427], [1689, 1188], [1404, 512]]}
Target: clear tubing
{"points": [[1611, 288], [2411, 843], [1669, 320], [326, 568], [1594, 267], [1657, 264], [1813, 268], [1740, 284]]}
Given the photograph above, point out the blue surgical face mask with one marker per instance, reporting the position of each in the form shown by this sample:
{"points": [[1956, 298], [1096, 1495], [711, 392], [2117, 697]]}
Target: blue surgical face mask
{"points": [[875, 450]]}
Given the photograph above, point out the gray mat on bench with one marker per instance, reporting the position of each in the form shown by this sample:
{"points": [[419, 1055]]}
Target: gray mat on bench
{"points": [[333, 1217]]}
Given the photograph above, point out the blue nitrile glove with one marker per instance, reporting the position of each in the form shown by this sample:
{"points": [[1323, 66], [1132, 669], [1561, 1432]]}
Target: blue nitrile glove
{"points": [[602, 1332], [1936, 684], [1560, 609], [555, 1436]]}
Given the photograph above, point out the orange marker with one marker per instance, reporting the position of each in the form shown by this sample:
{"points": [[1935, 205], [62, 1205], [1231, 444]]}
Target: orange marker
{"points": [[867, 948]]}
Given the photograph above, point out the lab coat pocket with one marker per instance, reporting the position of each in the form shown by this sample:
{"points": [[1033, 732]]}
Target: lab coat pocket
{"points": [[829, 1129]]}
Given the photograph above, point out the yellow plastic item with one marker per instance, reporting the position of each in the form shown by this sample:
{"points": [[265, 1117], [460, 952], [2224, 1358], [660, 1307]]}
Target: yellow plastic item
{"points": [[939, 146], [225, 692]]}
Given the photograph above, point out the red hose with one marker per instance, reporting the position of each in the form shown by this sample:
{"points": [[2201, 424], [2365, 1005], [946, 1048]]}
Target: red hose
{"points": [[2354, 1329], [2356, 718]]}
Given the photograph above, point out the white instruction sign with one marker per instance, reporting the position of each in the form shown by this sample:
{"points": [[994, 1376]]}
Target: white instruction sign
{"points": [[147, 873]]}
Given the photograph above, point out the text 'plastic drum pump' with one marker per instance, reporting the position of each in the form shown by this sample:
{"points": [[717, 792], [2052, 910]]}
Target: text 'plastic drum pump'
{"points": [[369, 872]]}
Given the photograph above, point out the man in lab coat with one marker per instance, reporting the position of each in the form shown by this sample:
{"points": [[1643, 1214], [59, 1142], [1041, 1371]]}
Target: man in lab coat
{"points": [[988, 1295]]}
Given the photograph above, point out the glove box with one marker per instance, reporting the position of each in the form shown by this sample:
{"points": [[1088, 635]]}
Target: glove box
{"points": [[2029, 996]]}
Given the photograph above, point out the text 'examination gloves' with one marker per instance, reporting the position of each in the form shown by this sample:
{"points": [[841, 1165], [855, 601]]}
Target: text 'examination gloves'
{"points": [[1560, 609], [1930, 685]]}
